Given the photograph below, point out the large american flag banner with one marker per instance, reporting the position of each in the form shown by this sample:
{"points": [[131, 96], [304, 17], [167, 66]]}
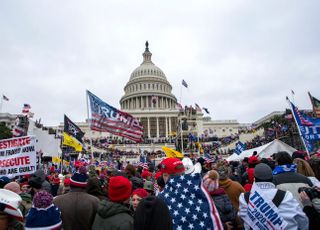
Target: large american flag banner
{"points": [[105, 118], [190, 204]]}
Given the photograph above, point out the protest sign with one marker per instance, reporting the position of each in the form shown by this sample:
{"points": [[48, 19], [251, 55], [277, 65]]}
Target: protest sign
{"points": [[17, 156], [263, 214]]}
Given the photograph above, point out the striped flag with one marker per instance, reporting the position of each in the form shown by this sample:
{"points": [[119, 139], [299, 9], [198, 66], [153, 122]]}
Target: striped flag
{"points": [[105, 118], [190, 204], [198, 108], [315, 105], [207, 158]]}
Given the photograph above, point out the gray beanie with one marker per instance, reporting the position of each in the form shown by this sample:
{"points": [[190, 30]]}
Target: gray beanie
{"points": [[263, 172]]}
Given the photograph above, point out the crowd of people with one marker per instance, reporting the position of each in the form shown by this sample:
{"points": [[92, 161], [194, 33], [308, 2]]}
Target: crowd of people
{"points": [[282, 192]]}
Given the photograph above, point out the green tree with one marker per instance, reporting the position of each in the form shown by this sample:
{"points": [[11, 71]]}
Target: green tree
{"points": [[5, 132]]}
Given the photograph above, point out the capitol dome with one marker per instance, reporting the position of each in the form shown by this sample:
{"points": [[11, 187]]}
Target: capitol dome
{"points": [[148, 96], [148, 87]]}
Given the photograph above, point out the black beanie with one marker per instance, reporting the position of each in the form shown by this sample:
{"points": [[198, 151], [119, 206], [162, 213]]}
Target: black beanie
{"points": [[152, 213]]}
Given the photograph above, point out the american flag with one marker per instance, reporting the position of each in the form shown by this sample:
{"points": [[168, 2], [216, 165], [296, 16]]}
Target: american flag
{"points": [[143, 165], [190, 204], [300, 118], [143, 162], [26, 108], [105, 118], [179, 107], [198, 108], [207, 158]]}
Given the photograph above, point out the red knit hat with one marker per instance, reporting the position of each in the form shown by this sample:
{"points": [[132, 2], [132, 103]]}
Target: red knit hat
{"points": [[158, 174], [171, 166], [145, 174], [67, 182], [141, 192], [119, 189], [253, 160]]}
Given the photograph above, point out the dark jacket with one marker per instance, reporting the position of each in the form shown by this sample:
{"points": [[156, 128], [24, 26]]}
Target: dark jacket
{"points": [[224, 206], [78, 209], [112, 216], [291, 181], [314, 217]]}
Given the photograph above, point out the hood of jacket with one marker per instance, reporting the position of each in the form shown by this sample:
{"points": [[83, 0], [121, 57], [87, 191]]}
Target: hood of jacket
{"points": [[107, 209], [225, 183]]}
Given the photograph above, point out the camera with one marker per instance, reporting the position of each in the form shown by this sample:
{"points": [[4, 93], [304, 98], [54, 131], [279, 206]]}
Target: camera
{"points": [[311, 192]]}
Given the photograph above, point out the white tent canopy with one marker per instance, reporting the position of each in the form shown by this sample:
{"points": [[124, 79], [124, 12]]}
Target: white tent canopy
{"points": [[263, 151]]}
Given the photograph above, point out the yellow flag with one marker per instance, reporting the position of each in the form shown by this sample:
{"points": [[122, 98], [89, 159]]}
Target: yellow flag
{"points": [[56, 160], [171, 152], [72, 142]]}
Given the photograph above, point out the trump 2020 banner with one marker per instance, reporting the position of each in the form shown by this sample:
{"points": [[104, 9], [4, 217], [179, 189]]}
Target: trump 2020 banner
{"points": [[17, 156], [105, 118]]}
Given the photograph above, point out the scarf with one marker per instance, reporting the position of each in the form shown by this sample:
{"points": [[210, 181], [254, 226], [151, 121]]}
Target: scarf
{"points": [[284, 168]]}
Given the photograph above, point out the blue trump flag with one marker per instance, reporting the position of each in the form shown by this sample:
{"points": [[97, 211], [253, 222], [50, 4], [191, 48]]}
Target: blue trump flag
{"points": [[240, 147], [190, 204], [106, 118], [309, 127]]}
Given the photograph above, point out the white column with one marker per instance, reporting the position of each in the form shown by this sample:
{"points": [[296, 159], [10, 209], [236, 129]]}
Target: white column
{"points": [[166, 120], [157, 127], [170, 130], [148, 127], [141, 102]]}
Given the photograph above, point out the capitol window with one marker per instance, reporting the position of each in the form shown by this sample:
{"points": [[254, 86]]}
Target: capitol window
{"points": [[144, 86]]}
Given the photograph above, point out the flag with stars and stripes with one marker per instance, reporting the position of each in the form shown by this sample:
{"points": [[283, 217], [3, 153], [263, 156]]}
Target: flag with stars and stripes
{"points": [[190, 204]]}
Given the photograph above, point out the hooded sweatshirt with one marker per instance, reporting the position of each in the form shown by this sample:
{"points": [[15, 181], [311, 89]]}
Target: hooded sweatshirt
{"points": [[111, 216], [38, 180], [233, 189]]}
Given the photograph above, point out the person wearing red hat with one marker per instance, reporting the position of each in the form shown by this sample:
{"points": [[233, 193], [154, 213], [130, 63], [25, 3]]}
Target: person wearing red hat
{"points": [[171, 166], [114, 214], [146, 174], [136, 196]]}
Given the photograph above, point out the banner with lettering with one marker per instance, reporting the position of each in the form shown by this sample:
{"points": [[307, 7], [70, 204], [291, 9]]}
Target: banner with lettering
{"points": [[18, 156], [263, 214]]}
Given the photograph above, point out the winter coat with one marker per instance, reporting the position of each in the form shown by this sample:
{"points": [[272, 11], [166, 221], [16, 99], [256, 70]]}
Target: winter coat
{"points": [[291, 181], [289, 208], [26, 203], [233, 189], [78, 209], [112, 216]]}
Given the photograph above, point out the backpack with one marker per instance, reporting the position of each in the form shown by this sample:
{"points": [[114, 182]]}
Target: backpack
{"points": [[277, 199]]}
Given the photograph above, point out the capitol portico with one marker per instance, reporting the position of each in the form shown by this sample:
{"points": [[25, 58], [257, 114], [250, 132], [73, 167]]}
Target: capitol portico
{"points": [[148, 96]]}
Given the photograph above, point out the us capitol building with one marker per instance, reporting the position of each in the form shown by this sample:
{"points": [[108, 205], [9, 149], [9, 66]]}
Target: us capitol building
{"points": [[148, 97]]}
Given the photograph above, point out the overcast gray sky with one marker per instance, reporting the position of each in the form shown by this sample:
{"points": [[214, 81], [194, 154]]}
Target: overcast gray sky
{"points": [[240, 58]]}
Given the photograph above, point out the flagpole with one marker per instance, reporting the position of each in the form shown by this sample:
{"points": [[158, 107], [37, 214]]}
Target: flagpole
{"points": [[1, 104], [89, 125], [298, 127], [292, 95]]}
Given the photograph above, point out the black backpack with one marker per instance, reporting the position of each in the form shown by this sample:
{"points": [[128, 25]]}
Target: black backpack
{"points": [[277, 199]]}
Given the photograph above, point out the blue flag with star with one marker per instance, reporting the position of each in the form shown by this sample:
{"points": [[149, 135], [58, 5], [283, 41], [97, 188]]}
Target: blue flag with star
{"points": [[190, 204]]}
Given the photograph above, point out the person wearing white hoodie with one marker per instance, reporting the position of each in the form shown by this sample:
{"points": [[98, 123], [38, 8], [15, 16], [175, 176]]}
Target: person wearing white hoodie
{"points": [[267, 207]]}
